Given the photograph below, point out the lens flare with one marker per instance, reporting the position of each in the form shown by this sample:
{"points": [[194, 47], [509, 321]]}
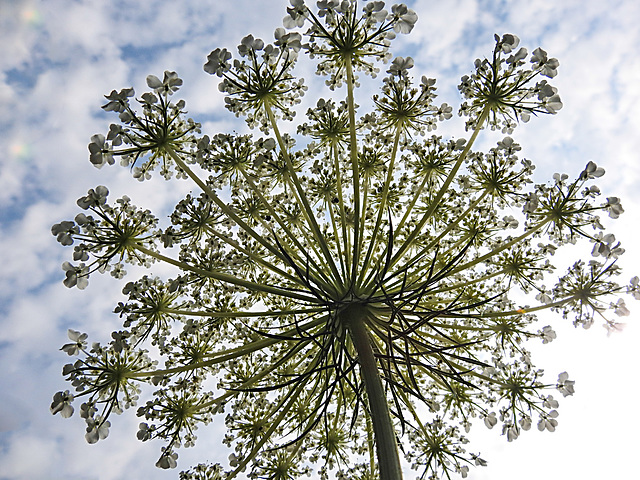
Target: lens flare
{"points": [[31, 16], [20, 151]]}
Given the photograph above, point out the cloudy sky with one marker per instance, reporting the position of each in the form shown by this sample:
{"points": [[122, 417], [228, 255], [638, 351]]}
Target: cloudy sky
{"points": [[60, 56]]}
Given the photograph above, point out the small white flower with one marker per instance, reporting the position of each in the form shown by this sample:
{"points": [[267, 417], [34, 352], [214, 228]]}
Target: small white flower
{"points": [[97, 429], [614, 207], [490, 420], [614, 327], [62, 404], [620, 308], [509, 42], [217, 62], [547, 334], [400, 65], [548, 421], [169, 84], [79, 342], [404, 18], [564, 385], [550, 402], [512, 432], [167, 461]]}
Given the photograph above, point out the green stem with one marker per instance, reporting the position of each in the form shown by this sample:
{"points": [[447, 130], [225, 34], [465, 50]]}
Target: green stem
{"points": [[457, 286], [221, 204], [299, 192], [443, 189], [231, 353], [225, 277], [413, 202], [502, 247], [291, 236], [282, 407], [455, 223], [521, 311], [256, 377], [385, 435], [204, 313], [252, 255], [370, 444], [336, 234], [419, 256], [355, 168], [343, 223], [374, 235]]}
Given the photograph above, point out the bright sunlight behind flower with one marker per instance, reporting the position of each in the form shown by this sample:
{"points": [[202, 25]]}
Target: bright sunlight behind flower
{"points": [[350, 300]]}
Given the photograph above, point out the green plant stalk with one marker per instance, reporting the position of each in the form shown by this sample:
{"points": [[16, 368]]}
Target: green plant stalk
{"points": [[345, 232], [354, 166], [492, 253], [221, 204], [256, 378], [229, 354], [370, 444], [503, 247], [334, 225], [306, 210], [455, 223], [385, 435], [387, 183], [443, 188], [457, 286], [251, 255], [290, 398], [365, 201], [413, 202], [521, 311], [370, 277], [240, 314], [288, 232], [224, 277]]}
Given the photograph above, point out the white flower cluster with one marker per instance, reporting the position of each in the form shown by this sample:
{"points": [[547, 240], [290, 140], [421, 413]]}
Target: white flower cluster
{"points": [[349, 299], [504, 88]]}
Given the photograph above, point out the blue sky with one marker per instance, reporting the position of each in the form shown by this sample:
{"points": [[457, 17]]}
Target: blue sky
{"points": [[61, 56]]}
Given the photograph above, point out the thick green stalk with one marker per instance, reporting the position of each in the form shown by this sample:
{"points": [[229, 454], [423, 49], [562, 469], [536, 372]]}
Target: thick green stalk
{"points": [[385, 435], [370, 444]]}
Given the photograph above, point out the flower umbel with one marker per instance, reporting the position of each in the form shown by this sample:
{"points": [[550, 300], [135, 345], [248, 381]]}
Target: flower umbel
{"points": [[504, 86], [350, 299]]}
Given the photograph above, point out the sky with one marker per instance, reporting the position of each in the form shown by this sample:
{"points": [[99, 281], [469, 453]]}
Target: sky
{"points": [[59, 57]]}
